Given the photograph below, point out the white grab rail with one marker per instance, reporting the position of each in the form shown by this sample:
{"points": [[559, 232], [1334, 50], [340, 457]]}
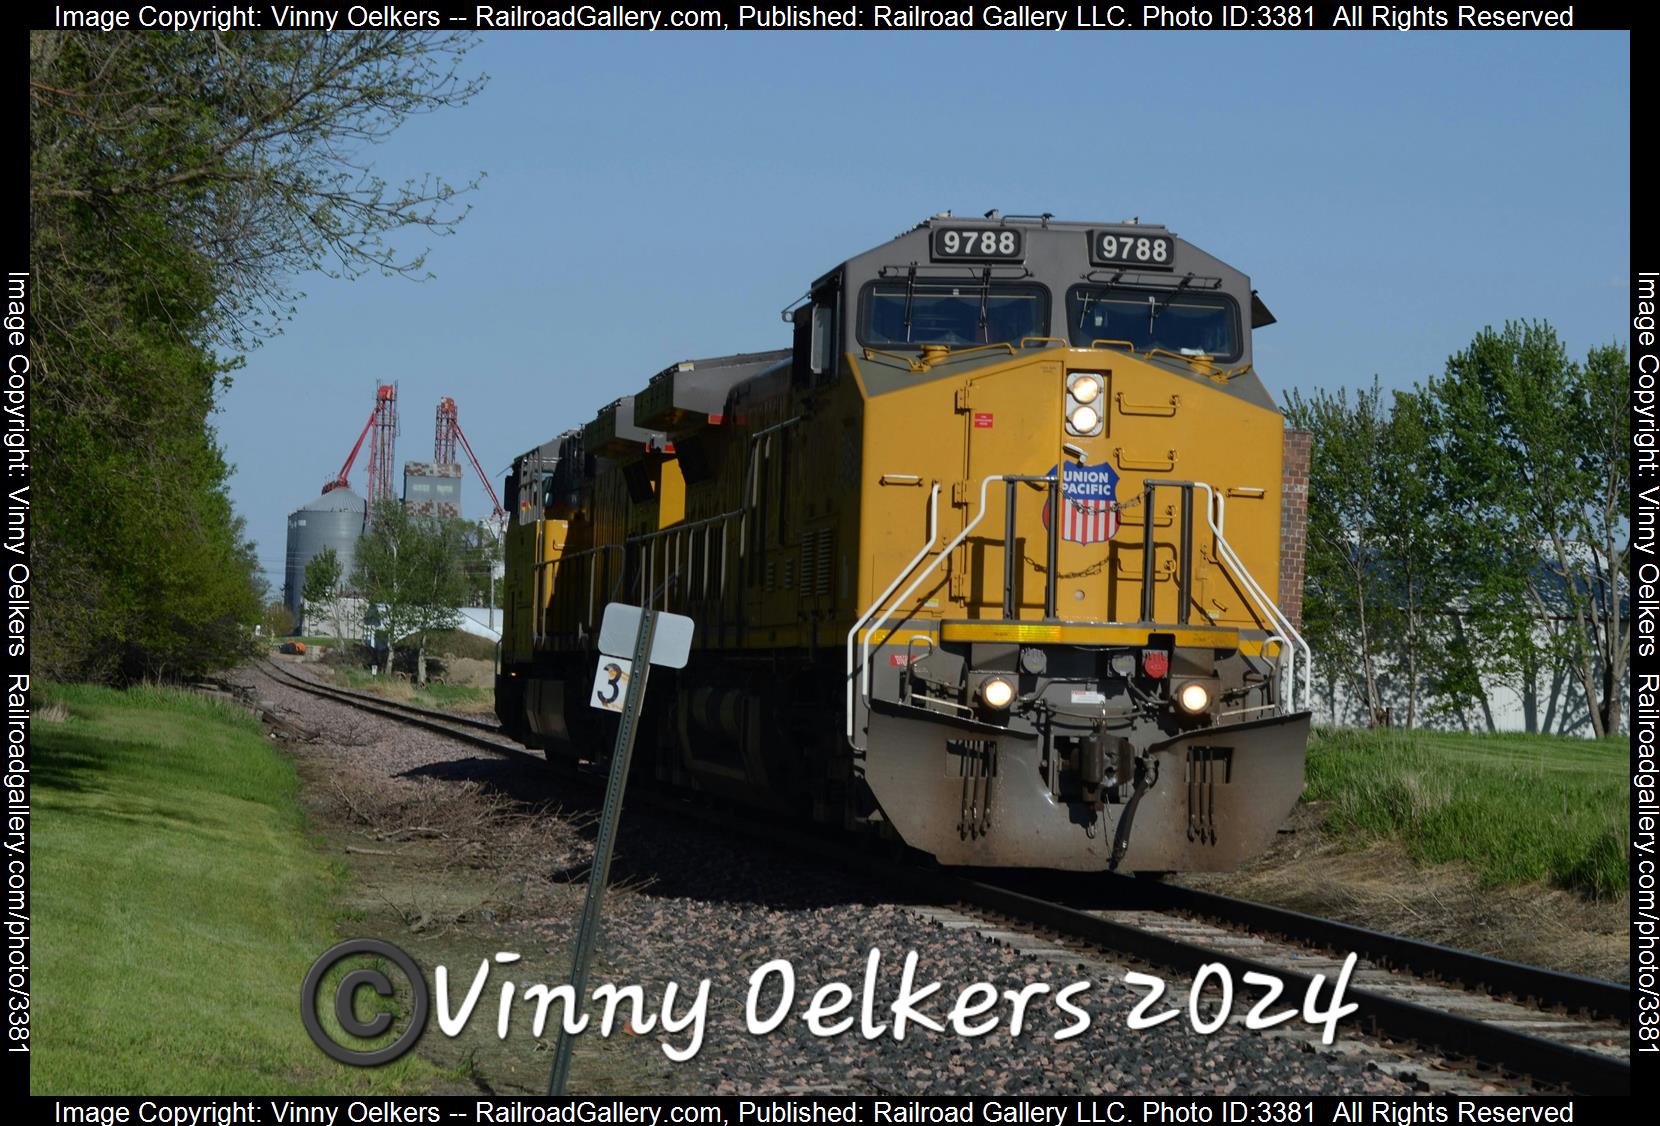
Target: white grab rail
{"points": [[945, 553], [1216, 516], [853, 634]]}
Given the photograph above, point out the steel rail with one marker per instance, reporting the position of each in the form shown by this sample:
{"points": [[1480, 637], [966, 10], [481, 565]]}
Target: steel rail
{"points": [[1464, 1037], [430, 719], [1545, 986], [1461, 1036]]}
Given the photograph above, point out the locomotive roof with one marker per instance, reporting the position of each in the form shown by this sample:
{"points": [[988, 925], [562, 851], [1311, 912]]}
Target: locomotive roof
{"points": [[1060, 254]]}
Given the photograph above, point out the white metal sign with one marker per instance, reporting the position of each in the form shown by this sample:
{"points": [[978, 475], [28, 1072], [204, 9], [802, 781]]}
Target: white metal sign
{"points": [[671, 638], [611, 683]]}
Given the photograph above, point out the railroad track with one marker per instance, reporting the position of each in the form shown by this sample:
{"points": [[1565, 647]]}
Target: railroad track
{"points": [[1561, 1030], [477, 732]]}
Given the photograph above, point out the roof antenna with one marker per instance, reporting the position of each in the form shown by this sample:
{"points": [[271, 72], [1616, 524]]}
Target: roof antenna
{"points": [[992, 214]]}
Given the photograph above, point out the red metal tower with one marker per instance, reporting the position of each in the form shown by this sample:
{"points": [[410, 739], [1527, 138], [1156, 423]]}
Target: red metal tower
{"points": [[383, 424], [448, 434], [443, 448], [383, 445]]}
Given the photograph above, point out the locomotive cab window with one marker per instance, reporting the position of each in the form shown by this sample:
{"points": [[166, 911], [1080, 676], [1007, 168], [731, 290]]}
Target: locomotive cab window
{"points": [[1191, 324], [962, 313]]}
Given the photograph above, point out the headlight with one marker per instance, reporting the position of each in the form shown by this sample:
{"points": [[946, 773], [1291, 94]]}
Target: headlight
{"points": [[1194, 697], [1086, 388], [1085, 419], [996, 693]]}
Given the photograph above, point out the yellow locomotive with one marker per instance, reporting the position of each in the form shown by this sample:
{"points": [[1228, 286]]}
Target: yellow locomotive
{"points": [[991, 559]]}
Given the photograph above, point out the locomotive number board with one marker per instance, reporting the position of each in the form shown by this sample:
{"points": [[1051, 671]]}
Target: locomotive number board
{"points": [[1127, 248], [986, 244]]}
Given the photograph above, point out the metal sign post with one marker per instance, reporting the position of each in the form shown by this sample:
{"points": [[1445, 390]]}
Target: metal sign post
{"points": [[677, 632]]}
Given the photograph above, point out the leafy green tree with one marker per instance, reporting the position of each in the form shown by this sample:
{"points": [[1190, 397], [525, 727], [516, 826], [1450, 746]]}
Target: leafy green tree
{"points": [[178, 183], [320, 592], [1346, 530], [1474, 532], [1540, 448], [1411, 576], [413, 572], [278, 620], [248, 146]]}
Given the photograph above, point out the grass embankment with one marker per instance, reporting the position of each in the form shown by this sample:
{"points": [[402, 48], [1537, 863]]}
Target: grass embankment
{"points": [[179, 903], [1517, 808], [445, 697], [462, 668]]}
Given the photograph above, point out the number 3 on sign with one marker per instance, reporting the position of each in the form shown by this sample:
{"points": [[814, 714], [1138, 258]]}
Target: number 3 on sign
{"points": [[610, 683]]}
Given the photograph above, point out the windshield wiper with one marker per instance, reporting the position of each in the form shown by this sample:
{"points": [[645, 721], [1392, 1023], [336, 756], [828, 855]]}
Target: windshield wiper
{"points": [[1155, 307], [910, 296], [985, 299]]}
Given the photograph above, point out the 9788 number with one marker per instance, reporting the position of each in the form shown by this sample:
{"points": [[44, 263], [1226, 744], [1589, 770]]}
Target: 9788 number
{"points": [[986, 244], [1134, 248]]}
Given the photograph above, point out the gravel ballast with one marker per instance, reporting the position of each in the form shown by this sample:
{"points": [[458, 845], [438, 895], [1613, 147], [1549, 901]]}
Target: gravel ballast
{"points": [[511, 840]]}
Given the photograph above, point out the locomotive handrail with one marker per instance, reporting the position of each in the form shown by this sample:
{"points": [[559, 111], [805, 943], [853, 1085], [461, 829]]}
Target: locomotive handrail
{"points": [[647, 541], [1215, 517], [538, 635], [1202, 363], [853, 673], [1185, 357], [684, 527], [1275, 613], [945, 553], [925, 360], [681, 533]]}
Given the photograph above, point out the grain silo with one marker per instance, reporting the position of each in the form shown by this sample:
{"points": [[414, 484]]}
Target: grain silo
{"points": [[335, 520]]}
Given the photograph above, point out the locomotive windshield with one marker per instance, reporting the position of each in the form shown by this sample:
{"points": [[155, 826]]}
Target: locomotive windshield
{"points": [[959, 313], [1189, 323]]}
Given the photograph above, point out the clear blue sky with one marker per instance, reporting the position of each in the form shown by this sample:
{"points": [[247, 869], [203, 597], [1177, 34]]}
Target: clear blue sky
{"points": [[653, 197]]}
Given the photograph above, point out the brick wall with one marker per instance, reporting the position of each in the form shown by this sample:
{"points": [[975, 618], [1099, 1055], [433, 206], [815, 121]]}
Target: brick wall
{"points": [[1294, 523]]}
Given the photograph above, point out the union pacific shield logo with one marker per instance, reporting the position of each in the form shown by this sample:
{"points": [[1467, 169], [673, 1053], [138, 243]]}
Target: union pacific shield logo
{"points": [[1089, 503]]}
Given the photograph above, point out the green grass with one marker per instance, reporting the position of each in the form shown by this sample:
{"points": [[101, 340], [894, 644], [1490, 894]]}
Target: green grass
{"points": [[1518, 808], [178, 905], [434, 695], [457, 695], [460, 643]]}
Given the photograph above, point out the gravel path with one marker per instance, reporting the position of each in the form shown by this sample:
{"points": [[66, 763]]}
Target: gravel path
{"points": [[688, 904]]}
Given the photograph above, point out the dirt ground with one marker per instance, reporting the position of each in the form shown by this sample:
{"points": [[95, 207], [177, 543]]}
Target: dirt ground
{"points": [[1379, 886], [454, 852], [447, 869]]}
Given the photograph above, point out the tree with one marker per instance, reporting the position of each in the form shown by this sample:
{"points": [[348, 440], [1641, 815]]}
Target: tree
{"points": [[1541, 447], [1346, 527], [321, 588], [413, 572], [178, 183], [1412, 576], [249, 145], [278, 620]]}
